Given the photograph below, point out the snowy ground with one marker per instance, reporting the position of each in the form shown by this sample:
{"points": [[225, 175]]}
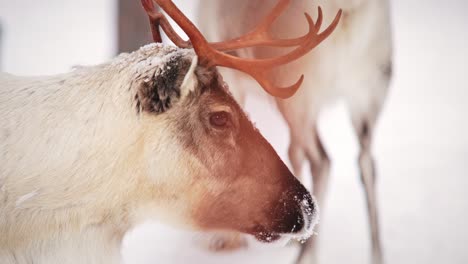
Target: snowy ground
{"points": [[421, 143]]}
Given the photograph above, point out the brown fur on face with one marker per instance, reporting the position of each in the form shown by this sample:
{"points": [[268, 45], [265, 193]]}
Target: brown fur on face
{"points": [[237, 181]]}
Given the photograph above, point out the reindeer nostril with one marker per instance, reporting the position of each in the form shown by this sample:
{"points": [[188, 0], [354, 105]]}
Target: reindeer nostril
{"points": [[290, 215], [296, 212], [309, 209], [299, 223]]}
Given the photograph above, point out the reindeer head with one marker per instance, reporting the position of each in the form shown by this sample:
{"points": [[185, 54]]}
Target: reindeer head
{"points": [[212, 168]]}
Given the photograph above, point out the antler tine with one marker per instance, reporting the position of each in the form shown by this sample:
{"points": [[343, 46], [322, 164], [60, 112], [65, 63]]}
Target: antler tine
{"points": [[319, 21], [284, 92], [199, 43], [157, 19]]}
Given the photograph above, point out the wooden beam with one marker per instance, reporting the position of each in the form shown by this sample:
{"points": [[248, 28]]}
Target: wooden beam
{"points": [[134, 30], [1, 47]]}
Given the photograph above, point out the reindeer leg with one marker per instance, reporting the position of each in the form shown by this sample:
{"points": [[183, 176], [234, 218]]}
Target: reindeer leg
{"points": [[320, 167], [364, 129], [296, 156]]}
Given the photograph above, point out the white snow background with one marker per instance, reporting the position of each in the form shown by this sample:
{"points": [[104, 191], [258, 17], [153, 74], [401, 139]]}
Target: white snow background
{"points": [[421, 144]]}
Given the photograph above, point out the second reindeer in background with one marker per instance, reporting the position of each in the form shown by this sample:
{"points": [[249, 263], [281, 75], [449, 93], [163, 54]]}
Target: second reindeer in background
{"points": [[354, 64]]}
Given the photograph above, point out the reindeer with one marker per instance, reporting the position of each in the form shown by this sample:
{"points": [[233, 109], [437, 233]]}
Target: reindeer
{"points": [[353, 64], [154, 134]]}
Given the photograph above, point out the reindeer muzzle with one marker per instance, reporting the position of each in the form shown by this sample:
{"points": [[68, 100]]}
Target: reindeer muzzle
{"points": [[294, 216]]}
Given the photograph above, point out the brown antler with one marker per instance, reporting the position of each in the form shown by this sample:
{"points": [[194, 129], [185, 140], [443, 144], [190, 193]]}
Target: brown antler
{"points": [[211, 54], [157, 19]]}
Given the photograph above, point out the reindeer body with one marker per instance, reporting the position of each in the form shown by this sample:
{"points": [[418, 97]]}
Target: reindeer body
{"points": [[89, 154], [71, 151], [353, 64]]}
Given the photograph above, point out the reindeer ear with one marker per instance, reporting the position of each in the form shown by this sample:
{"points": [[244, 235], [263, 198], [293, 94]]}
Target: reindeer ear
{"points": [[190, 81], [173, 81]]}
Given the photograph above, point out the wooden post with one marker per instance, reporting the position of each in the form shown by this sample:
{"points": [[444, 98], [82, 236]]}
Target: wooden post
{"points": [[1, 46], [134, 30]]}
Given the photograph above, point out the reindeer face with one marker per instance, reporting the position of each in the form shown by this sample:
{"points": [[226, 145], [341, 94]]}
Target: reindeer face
{"points": [[208, 163]]}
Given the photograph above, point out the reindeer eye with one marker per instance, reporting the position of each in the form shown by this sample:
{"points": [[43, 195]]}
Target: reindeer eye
{"points": [[219, 119]]}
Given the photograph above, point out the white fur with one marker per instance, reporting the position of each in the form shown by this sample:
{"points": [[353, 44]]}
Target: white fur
{"points": [[26, 197], [74, 174]]}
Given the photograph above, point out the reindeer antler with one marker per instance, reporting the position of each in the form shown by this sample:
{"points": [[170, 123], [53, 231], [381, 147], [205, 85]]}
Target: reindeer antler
{"points": [[211, 54]]}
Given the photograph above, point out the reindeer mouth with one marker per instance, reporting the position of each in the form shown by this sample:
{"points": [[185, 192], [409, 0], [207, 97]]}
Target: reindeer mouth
{"points": [[267, 237]]}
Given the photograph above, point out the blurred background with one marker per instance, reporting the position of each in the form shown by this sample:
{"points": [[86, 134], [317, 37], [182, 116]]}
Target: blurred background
{"points": [[421, 142]]}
